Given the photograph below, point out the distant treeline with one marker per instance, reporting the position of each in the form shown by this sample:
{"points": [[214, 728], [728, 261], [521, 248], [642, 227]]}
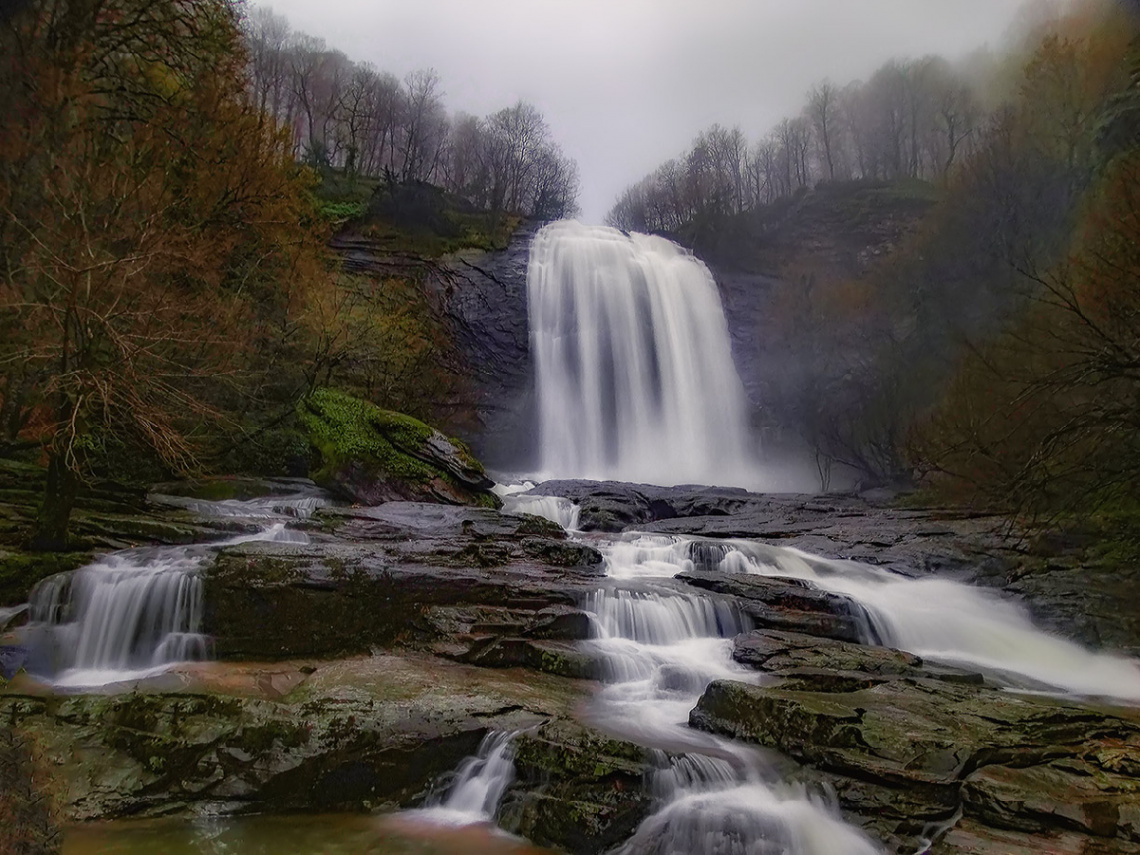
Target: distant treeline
{"points": [[370, 122], [913, 118]]}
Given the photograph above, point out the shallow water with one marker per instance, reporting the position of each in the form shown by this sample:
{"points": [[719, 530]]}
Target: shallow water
{"points": [[328, 834]]}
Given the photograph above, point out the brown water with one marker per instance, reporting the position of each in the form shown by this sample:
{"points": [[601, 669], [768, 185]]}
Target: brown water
{"points": [[328, 834]]}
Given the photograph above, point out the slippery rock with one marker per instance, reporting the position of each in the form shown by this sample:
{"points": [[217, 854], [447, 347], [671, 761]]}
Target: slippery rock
{"points": [[907, 748], [401, 573], [576, 789], [785, 604], [359, 733]]}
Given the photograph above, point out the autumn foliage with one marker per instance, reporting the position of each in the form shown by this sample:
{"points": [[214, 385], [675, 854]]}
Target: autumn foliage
{"points": [[165, 292]]}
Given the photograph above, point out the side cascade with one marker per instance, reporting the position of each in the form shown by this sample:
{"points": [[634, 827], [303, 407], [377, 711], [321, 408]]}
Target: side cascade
{"points": [[634, 372], [937, 619], [137, 612], [478, 786]]}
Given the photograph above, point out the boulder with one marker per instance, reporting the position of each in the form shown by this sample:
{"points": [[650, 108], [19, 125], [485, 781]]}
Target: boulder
{"points": [[908, 748], [576, 789], [785, 604], [368, 455]]}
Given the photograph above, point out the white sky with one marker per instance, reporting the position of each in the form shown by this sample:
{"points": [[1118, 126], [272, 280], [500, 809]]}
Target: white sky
{"points": [[626, 84]]}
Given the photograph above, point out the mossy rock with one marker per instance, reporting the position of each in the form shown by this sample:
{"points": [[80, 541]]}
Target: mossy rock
{"points": [[369, 455]]}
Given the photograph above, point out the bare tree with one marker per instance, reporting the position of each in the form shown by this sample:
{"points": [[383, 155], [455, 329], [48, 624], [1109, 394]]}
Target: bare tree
{"points": [[822, 110], [423, 129]]}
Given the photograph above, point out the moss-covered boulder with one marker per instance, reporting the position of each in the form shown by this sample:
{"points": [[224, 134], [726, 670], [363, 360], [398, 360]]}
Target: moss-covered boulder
{"points": [[369, 455]]}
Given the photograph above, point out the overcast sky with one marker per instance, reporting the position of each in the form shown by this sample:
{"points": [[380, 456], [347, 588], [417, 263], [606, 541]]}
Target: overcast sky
{"points": [[626, 84]]}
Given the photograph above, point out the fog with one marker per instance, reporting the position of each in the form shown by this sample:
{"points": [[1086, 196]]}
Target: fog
{"points": [[625, 84]]}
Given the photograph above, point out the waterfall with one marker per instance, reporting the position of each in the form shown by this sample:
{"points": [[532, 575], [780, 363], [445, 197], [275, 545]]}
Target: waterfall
{"points": [[478, 786], [137, 612], [635, 379], [660, 646]]}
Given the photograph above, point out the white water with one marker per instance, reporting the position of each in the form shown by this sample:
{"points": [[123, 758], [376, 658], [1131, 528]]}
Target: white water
{"points": [[554, 508], [135, 613], [634, 372], [660, 647], [480, 781], [937, 619]]}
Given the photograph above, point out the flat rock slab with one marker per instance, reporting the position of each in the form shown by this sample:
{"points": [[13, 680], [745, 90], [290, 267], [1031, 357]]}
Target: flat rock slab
{"points": [[403, 573], [906, 747], [345, 735]]}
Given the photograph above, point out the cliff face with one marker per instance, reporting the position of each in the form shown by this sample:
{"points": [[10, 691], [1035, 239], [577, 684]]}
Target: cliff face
{"points": [[836, 230], [762, 261], [482, 295]]}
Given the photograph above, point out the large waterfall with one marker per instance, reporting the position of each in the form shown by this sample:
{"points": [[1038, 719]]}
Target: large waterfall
{"points": [[635, 379]]}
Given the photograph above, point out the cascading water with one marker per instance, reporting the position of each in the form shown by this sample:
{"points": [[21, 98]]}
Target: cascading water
{"points": [[635, 378], [480, 781], [938, 619], [660, 646], [554, 508], [139, 611]]}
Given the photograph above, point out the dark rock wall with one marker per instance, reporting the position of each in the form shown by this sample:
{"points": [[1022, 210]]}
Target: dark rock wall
{"points": [[483, 297]]}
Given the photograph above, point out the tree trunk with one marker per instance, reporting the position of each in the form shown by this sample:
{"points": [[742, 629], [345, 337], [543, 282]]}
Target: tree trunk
{"points": [[55, 512]]}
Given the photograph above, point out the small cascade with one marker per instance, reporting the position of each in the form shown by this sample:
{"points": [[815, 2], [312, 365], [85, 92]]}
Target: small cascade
{"points": [[660, 647], [137, 612], [517, 500], [554, 508], [749, 819], [634, 370], [937, 619], [479, 784]]}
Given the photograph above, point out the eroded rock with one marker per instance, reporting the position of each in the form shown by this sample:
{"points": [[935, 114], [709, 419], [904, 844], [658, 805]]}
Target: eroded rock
{"points": [[907, 748]]}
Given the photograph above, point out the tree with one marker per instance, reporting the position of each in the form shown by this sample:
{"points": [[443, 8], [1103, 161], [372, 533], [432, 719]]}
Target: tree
{"points": [[822, 110], [150, 210], [423, 125]]}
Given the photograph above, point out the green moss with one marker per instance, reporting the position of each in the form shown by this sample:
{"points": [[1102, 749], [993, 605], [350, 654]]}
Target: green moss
{"points": [[20, 571], [349, 434], [343, 428]]}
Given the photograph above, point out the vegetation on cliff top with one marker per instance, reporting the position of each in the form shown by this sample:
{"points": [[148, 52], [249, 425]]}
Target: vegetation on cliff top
{"points": [[958, 308], [166, 295]]}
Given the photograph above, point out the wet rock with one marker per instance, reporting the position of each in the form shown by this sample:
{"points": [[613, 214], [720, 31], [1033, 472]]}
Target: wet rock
{"points": [[576, 789], [483, 297], [401, 573], [369, 455], [906, 749], [613, 506], [785, 604], [350, 735]]}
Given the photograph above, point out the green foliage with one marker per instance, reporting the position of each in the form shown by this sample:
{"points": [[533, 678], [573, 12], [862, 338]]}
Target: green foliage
{"points": [[339, 213], [426, 221]]}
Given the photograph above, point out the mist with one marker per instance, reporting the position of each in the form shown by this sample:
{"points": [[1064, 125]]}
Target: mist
{"points": [[626, 85]]}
